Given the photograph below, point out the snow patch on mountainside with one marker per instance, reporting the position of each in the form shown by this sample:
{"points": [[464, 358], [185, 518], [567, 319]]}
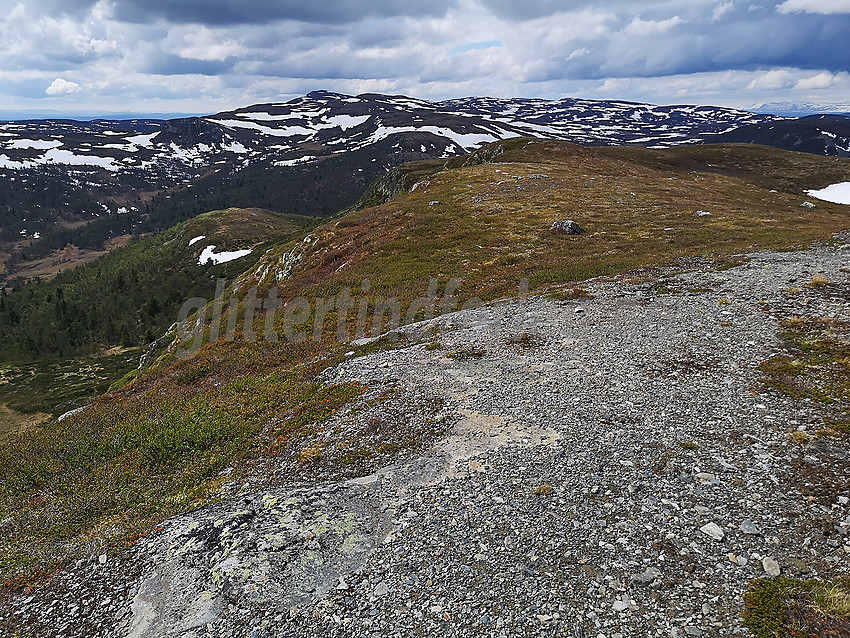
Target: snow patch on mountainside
{"points": [[56, 156], [209, 257], [6, 162], [464, 140], [346, 122], [39, 144], [288, 131], [296, 161], [236, 147], [143, 140], [835, 193]]}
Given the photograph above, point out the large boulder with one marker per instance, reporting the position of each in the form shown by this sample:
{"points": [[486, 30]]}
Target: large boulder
{"points": [[567, 226]]}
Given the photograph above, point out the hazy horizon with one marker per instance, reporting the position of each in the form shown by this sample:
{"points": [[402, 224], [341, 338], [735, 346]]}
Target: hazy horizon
{"points": [[785, 110]]}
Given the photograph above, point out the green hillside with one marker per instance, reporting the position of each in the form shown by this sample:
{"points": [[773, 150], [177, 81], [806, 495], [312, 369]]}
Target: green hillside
{"points": [[131, 296]]}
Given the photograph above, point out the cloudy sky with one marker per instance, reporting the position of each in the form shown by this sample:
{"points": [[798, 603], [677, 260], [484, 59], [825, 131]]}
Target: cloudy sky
{"points": [[78, 57]]}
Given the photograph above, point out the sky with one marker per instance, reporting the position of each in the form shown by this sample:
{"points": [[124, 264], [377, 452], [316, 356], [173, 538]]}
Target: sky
{"points": [[100, 57]]}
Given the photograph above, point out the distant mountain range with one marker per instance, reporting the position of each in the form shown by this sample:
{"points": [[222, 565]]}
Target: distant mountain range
{"points": [[71, 182], [803, 109], [322, 124]]}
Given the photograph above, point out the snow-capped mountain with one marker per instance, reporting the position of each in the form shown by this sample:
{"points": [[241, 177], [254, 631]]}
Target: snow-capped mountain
{"points": [[802, 109], [323, 124], [817, 134]]}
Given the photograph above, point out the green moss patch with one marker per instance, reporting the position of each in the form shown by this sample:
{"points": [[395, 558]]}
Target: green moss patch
{"points": [[786, 608], [817, 367]]}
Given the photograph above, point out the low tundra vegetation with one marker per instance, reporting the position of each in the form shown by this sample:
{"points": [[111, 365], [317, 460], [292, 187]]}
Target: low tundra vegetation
{"points": [[818, 281], [155, 448], [524, 340], [465, 353], [817, 366], [791, 608], [572, 294]]}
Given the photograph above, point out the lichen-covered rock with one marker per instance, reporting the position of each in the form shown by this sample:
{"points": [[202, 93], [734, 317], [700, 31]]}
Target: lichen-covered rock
{"points": [[567, 226], [279, 548]]}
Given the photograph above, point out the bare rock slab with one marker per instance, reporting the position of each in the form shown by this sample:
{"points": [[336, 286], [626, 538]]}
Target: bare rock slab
{"points": [[713, 530]]}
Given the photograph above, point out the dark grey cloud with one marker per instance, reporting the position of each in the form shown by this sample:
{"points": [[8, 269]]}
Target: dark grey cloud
{"points": [[176, 65], [246, 51], [531, 9], [818, 41], [748, 41], [66, 7], [46, 61], [374, 33], [227, 12], [336, 67]]}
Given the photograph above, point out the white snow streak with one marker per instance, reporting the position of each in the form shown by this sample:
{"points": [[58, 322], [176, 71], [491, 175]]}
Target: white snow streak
{"points": [[211, 258]]}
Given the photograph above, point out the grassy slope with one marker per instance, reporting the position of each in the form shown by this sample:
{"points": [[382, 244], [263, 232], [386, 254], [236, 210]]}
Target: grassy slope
{"points": [[491, 229], [157, 446]]}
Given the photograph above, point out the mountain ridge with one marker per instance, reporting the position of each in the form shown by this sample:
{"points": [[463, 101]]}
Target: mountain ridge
{"points": [[88, 183], [468, 122], [816, 134]]}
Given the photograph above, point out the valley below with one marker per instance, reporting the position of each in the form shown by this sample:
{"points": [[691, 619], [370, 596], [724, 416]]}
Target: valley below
{"points": [[12, 422]]}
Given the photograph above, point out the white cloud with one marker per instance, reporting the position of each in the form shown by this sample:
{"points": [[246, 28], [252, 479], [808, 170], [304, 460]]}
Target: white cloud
{"points": [[202, 43], [773, 80], [819, 81], [60, 86], [640, 27], [814, 6], [721, 10]]}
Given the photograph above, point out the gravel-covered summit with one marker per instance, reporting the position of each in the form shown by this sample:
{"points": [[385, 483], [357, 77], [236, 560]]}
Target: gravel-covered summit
{"points": [[614, 468]]}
